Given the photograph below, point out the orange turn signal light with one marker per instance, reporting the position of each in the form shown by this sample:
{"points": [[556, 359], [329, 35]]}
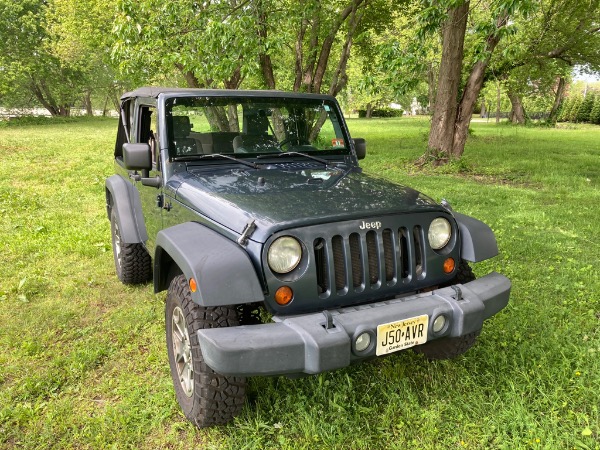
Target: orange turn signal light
{"points": [[284, 295], [193, 285], [449, 265]]}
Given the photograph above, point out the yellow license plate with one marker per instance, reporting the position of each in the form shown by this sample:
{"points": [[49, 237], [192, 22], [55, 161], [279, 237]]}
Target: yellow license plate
{"points": [[395, 336]]}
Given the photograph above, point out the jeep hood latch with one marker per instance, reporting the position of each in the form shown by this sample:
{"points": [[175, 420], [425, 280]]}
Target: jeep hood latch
{"points": [[246, 233]]}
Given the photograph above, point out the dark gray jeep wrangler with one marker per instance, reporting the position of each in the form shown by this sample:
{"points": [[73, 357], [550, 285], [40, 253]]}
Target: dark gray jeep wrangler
{"points": [[250, 204]]}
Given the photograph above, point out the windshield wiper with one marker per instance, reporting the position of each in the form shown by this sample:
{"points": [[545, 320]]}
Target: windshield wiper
{"points": [[306, 155], [216, 155]]}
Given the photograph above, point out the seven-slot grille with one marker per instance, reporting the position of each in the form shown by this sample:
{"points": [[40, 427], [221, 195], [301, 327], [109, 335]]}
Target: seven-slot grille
{"points": [[372, 259]]}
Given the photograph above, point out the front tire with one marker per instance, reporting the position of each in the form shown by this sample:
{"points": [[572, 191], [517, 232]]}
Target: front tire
{"points": [[451, 347], [132, 261], [206, 397]]}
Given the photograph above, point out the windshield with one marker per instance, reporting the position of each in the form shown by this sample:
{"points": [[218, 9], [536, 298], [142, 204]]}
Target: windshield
{"points": [[252, 126]]}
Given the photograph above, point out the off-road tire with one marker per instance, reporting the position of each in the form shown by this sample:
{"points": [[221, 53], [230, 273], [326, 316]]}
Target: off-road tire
{"points": [[215, 399], [249, 314], [464, 274], [132, 261], [448, 348]]}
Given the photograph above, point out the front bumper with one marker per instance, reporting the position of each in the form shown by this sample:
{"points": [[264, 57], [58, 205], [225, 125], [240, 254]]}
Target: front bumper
{"points": [[307, 344]]}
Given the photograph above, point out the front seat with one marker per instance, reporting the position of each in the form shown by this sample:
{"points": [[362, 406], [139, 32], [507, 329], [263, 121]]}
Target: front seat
{"points": [[255, 136], [184, 145]]}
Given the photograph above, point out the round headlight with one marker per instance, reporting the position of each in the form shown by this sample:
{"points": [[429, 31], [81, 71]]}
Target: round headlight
{"points": [[284, 254], [439, 234]]}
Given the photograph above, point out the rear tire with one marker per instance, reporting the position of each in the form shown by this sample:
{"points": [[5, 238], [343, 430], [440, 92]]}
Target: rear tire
{"points": [[449, 348], [132, 261], [206, 397]]}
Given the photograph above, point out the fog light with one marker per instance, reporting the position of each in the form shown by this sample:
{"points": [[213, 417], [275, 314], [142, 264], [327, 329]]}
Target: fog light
{"points": [[439, 323], [362, 342]]}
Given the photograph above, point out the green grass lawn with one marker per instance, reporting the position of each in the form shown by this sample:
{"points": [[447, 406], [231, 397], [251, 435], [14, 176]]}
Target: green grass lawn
{"points": [[83, 362]]}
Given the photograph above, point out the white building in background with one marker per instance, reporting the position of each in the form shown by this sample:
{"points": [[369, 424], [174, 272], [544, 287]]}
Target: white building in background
{"points": [[43, 112]]}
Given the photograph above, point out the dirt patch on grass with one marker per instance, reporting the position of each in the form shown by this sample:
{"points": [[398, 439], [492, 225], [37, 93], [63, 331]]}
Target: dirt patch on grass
{"points": [[13, 148], [499, 180]]}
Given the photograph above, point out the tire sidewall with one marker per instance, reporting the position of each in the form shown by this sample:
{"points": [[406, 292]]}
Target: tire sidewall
{"points": [[188, 404], [114, 231]]}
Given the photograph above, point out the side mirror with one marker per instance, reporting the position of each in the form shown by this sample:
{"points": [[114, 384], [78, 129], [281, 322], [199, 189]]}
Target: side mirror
{"points": [[360, 147], [137, 156]]}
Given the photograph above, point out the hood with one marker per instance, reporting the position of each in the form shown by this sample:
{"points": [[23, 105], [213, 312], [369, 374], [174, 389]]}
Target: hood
{"points": [[280, 198]]}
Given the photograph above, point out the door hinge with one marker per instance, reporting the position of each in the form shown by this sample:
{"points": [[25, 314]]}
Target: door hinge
{"points": [[160, 202]]}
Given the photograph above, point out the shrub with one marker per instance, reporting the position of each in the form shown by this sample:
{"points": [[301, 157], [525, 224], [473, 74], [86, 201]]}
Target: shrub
{"points": [[583, 114], [595, 113], [382, 112], [572, 117]]}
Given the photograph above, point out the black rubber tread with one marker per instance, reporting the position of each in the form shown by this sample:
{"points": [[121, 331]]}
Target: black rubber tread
{"points": [[447, 348], [464, 274], [249, 314], [136, 263], [217, 398]]}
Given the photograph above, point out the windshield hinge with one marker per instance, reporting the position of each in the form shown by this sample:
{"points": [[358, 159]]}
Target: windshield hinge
{"points": [[246, 233]]}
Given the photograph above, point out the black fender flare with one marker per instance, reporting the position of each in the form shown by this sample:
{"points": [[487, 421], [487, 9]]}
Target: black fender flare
{"points": [[125, 199], [478, 242], [222, 269]]}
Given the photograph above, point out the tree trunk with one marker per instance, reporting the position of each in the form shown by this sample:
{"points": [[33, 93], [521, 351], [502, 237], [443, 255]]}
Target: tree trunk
{"points": [[441, 134], [517, 114], [369, 111], [472, 90], [190, 78], [340, 78], [498, 104], [483, 113], [105, 107], [266, 65], [64, 110], [326, 48], [87, 101], [312, 57], [558, 98]]}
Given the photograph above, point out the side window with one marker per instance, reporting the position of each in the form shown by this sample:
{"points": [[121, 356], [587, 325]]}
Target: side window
{"points": [[147, 129]]}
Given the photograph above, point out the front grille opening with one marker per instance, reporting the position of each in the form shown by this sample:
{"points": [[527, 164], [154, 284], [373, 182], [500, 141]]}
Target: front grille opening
{"points": [[419, 257], [373, 257], [404, 254], [356, 258], [339, 262], [321, 263], [388, 255]]}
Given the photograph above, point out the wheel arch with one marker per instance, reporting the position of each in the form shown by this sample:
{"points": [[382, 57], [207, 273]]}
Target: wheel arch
{"points": [[478, 242], [125, 200], [221, 268]]}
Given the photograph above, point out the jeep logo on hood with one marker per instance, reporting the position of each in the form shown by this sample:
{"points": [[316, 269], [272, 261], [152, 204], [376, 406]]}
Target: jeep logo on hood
{"points": [[370, 225]]}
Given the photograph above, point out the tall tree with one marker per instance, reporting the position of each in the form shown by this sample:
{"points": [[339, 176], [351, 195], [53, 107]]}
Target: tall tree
{"points": [[80, 36], [31, 72], [556, 36], [445, 112], [302, 46], [207, 44], [455, 101]]}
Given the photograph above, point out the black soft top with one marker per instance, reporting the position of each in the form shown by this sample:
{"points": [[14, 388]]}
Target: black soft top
{"points": [[151, 91]]}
